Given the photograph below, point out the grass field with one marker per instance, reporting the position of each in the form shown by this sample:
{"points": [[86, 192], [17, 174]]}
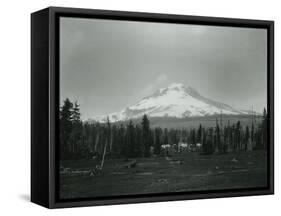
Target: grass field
{"points": [[159, 174]]}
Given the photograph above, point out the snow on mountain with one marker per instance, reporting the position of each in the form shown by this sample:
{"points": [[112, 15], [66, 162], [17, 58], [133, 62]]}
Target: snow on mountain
{"points": [[177, 100]]}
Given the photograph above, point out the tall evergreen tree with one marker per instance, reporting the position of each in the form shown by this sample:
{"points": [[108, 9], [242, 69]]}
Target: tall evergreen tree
{"points": [[65, 128], [253, 135], [225, 140], [139, 148], [264, 129], [193, 136], [238, 136], [130, 141], [76, 133], [121, 139], [199, 134], [166, 136], [146, 135], [208, 144], [218, 138], [247, 138], [157, 143]]}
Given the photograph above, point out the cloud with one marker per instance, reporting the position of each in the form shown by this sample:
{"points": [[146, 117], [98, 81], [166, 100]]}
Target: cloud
{"points": [[159, 81]]}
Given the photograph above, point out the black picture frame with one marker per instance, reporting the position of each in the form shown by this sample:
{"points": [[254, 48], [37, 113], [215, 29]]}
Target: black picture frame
{"points": [[45, 105]]}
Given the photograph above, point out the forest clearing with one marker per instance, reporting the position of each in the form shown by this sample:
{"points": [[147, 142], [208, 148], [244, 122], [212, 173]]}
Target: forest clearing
{"points": [[107, 159], [163, 174]]}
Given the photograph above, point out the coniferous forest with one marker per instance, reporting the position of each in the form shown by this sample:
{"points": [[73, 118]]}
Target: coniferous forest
{"points": [[157, 108], [84, 140]]}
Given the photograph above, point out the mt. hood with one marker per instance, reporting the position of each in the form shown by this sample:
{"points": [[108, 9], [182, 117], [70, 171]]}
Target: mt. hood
{"points": [[177, 100]]}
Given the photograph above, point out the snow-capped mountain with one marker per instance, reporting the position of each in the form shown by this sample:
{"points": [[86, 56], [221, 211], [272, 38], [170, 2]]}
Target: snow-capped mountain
{"points": [[177, 100]]}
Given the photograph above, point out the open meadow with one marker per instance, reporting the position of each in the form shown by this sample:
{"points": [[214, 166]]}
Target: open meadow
{"points": [[187, 171]]}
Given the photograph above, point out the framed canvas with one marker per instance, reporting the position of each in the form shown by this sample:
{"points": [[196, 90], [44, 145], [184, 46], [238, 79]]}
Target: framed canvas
{"points": [[139, 107]]}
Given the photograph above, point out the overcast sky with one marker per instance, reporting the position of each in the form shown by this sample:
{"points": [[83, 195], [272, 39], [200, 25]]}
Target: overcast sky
{"points": [[108, 65]]}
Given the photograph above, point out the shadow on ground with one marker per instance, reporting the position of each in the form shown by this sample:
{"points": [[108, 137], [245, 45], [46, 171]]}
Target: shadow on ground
{"points": [[25, 197]]}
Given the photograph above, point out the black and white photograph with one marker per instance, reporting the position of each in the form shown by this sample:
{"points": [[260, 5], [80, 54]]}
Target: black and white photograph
{"points": [[150, 108], [144, 107]]}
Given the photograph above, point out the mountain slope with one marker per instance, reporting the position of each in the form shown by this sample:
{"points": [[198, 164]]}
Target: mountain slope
{"points": [[177, 100]]}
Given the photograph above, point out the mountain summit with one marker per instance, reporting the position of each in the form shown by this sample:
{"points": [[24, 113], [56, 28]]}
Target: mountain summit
{"points": [[177, 100]]}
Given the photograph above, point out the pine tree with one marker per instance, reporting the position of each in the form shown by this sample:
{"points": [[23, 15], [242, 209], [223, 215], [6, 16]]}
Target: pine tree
{"points": [[238, 136], [129, 147], [109, 134], [121, 140], [229, 137], [264, 129], [97, 137], [116, 143], [146, 135], [225, 140], [247, 138], [193, 136], [166, 136], [218, 138], [253, 143], [139, 149], [208, 145], [157, 143], [65, 128], [76, 130], [204, 140], [199, 134]]}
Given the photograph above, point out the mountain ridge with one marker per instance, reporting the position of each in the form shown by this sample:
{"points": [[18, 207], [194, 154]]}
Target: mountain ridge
{"points": [[176, 100]]}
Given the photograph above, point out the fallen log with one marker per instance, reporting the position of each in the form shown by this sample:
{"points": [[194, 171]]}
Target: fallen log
{"points": [[131, 164], [176, 162]]}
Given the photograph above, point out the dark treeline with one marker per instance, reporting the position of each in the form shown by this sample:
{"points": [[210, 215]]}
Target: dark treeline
{"points": [[85, 140]]}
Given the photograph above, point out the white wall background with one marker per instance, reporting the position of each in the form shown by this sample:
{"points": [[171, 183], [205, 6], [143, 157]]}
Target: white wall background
{"points": [[15, 106]]}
